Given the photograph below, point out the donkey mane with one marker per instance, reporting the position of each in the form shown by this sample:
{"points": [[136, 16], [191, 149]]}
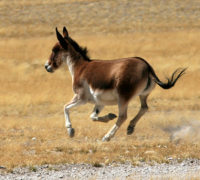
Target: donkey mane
{"points": [[83, 51]]}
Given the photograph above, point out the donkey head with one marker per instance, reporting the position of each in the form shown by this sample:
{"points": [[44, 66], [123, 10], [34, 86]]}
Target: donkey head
{"points": [[59, 52]]}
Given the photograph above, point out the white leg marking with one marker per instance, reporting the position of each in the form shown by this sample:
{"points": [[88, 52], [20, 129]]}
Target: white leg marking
{"points": [[73, 103], [121, 119]]}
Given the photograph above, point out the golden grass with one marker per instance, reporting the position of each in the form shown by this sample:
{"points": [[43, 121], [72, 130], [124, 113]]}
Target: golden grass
{"points": [[43, 139], [31, 100]]}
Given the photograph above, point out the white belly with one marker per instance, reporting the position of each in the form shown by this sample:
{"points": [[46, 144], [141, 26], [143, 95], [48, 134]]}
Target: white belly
{"points": [[103, 97]]}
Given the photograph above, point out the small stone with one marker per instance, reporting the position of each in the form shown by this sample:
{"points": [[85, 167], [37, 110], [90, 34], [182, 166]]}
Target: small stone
{"points": [[149, 152], [107, 161], [61, 176], [2, 167]]}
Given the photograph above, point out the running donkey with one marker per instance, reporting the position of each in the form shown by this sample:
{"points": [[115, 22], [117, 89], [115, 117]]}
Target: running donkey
{"points": [[112, 82]]}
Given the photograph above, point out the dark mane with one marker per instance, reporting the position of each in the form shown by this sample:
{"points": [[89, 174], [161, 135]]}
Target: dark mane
{"points": [[81, 50]]}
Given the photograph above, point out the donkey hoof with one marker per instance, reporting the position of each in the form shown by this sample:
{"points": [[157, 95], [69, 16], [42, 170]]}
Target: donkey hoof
{"points": [[130, 130], [111, 116], [105, 139], [71, 132]]}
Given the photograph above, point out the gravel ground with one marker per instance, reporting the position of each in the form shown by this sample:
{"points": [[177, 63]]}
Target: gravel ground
{"points": [[188, 169]]}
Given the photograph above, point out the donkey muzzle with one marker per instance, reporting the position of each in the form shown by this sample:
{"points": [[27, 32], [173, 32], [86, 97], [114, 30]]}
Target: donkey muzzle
{"points": [[48, 67]]}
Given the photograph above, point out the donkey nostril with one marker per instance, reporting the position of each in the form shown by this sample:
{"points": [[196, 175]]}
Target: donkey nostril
{"points": [[49, 69], [46, 65]]}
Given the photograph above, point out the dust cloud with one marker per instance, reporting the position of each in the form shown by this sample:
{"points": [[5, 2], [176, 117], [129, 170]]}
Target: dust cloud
{"points": [[186, 130]]}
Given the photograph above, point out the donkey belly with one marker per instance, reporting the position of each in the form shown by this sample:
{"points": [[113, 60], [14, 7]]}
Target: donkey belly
{"points": [[103, 97]]}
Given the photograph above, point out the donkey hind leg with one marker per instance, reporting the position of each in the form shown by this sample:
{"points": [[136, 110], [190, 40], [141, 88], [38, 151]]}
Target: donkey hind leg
{"points": [[121, 119], [76, 101], [97, 109], [143, 110]]}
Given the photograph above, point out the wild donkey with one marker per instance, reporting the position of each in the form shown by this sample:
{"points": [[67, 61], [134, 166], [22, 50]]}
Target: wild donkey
{"points": [[113, 82]]}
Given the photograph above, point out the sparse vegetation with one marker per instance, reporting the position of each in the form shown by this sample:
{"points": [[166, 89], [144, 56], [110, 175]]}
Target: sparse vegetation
{"points": [[33, 168], [32, 100], [96, 164]]}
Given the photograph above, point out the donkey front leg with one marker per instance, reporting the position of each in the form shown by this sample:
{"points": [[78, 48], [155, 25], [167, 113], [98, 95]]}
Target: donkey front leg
{"points": [[76, 101], [121, 119], [97, 109]]}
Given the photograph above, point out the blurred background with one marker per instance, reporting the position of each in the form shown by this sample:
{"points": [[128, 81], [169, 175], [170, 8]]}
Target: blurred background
{"points": [[23, 18]]}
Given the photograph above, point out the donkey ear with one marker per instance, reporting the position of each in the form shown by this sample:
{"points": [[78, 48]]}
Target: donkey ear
{"points": [[65, 32], [62, 41]]}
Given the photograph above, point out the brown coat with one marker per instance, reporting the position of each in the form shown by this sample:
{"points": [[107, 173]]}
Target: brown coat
{"points": [[111, 82]]}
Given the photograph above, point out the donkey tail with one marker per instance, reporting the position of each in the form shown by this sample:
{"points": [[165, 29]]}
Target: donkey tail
{"points": [[170, 80]]}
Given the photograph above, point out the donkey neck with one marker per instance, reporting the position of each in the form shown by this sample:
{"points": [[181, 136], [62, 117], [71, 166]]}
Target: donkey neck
{"points": [[73, 60]]}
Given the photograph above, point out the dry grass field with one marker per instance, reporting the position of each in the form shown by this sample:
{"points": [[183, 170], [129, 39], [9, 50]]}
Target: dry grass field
{"points": [[32, 130]]}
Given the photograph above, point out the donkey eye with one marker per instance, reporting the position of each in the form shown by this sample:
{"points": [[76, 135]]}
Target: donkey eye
{"points": [[55, 50]]}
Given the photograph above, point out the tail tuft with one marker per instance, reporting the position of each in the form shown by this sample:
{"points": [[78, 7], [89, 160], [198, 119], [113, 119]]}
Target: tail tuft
{"points": [[170, 80]]}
